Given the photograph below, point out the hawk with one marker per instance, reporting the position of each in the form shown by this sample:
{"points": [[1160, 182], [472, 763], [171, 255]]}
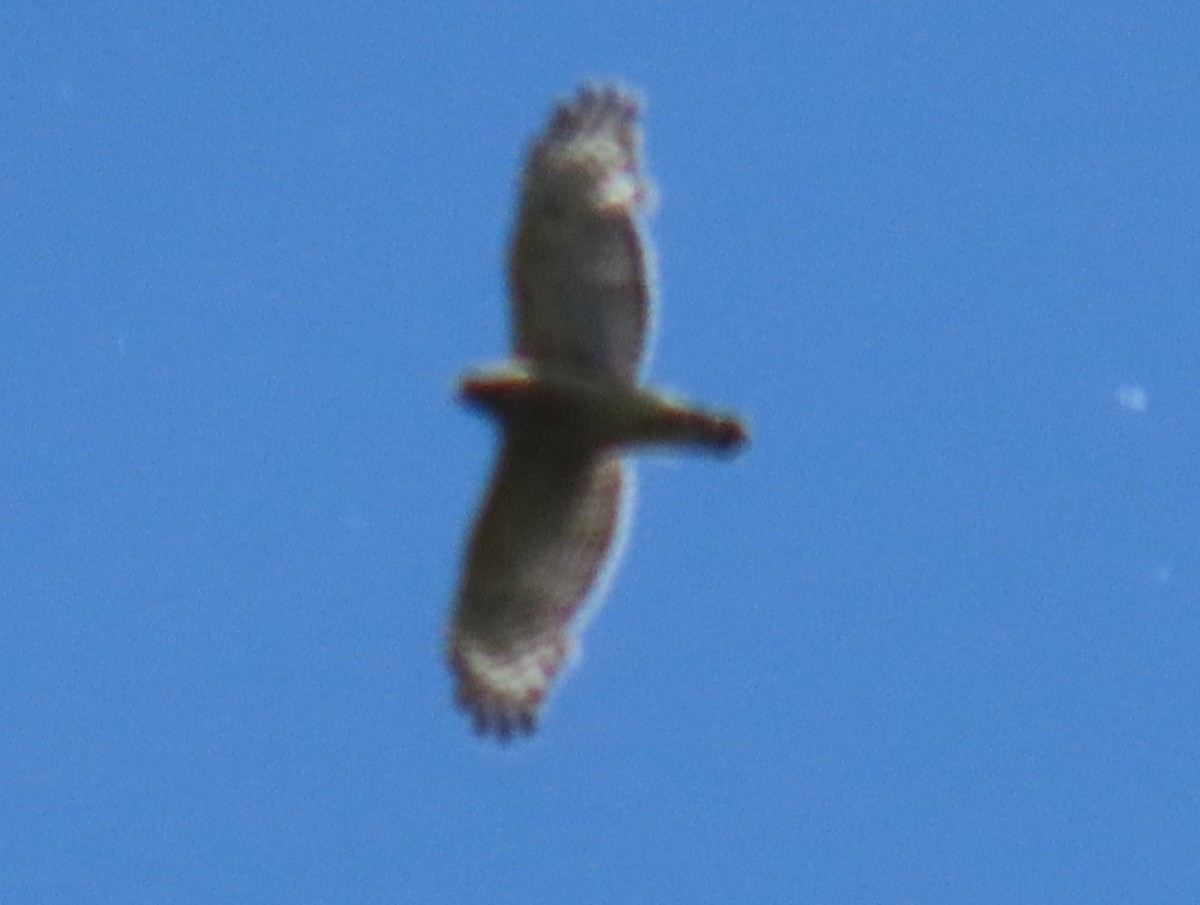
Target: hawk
{"points": [[568, 405]]}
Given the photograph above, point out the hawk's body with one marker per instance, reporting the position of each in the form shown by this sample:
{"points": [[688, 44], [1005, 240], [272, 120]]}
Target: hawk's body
{"points": [[580, 282]]}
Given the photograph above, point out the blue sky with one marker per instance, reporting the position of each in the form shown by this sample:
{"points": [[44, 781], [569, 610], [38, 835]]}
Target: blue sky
{"points": [[933, 638]]}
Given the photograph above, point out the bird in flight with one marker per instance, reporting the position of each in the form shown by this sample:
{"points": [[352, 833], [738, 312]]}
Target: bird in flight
{"points": [[568, 406]]}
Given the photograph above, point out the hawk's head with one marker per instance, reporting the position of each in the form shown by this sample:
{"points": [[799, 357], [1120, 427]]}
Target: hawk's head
{"points": [[501, 392]]}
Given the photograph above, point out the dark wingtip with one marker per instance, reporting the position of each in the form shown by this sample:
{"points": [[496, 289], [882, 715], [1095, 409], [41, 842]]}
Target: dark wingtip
{"points": [[503, 696], [492, 716], [596, 107], [731, 435], [604, 94], [503, 726]]}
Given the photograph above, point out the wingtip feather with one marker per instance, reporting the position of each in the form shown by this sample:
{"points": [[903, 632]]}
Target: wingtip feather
{"points": [[504, 696]]}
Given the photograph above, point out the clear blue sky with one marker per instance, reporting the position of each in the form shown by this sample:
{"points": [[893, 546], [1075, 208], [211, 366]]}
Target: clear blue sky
{"points": [[935, 638]]}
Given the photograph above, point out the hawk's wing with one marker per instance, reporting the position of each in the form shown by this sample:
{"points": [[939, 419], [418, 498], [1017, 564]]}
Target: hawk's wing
{"points": [[536, 550], [578, 265]]}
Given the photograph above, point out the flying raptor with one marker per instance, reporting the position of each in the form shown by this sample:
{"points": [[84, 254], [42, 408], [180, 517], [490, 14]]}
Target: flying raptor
{"points": [[568, 406]]}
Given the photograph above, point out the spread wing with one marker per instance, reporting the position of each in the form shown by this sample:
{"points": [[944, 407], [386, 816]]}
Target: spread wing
{"points": [[545, 530], [578, 266]]}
